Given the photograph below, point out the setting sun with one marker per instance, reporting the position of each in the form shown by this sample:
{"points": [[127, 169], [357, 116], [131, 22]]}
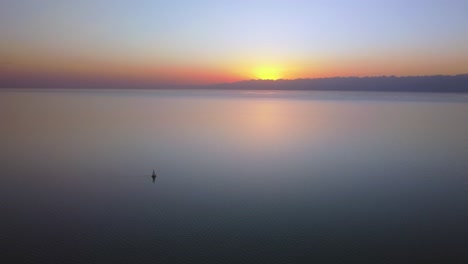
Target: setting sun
{"points": [[267, 73]]}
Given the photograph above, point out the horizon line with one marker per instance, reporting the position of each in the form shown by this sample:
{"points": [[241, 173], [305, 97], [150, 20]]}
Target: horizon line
{"points": [[338, 77], [110, 84]]}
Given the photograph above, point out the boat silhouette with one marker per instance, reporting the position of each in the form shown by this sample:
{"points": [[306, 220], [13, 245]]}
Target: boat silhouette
{"points": [[153, 176]]}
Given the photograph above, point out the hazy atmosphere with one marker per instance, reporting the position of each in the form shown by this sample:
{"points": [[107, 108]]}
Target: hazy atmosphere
{"points": [[107, 43], [221, 132]]}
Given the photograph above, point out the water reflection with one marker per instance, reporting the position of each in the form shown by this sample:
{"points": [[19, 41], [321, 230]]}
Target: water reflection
{"points": [[272, 178]]}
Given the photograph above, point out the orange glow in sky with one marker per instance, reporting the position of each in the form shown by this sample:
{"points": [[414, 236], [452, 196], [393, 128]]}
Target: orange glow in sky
{"points": [[192, 42]]}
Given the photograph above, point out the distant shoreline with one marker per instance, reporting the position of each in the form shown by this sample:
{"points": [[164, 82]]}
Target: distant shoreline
{"points": [[431, 84]]}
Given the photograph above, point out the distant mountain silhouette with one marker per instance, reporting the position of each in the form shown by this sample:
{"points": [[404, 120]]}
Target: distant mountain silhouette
{"points": [[435, 83]]}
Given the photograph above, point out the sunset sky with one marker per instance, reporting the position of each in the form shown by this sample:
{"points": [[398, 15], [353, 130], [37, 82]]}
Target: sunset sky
{"points": [[115, 42]]}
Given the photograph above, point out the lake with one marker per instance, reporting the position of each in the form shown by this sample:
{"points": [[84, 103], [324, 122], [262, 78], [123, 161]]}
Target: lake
{"points": [[242, 177]]}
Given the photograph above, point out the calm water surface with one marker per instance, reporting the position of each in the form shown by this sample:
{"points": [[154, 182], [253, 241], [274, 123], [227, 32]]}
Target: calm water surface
{"points": [[242, 177]]}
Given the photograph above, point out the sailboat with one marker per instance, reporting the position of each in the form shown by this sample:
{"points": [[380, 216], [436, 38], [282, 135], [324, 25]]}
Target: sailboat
{"points": [[153, 176]]}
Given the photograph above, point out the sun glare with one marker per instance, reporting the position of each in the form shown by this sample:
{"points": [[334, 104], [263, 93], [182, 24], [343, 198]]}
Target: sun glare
{"points": [[267, 73]]}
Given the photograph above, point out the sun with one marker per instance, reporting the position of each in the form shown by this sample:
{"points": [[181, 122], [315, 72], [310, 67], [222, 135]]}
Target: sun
{"points": [[267, 73]]}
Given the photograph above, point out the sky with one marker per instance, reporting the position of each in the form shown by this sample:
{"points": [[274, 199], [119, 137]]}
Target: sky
{"points": [[114, 42]]}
